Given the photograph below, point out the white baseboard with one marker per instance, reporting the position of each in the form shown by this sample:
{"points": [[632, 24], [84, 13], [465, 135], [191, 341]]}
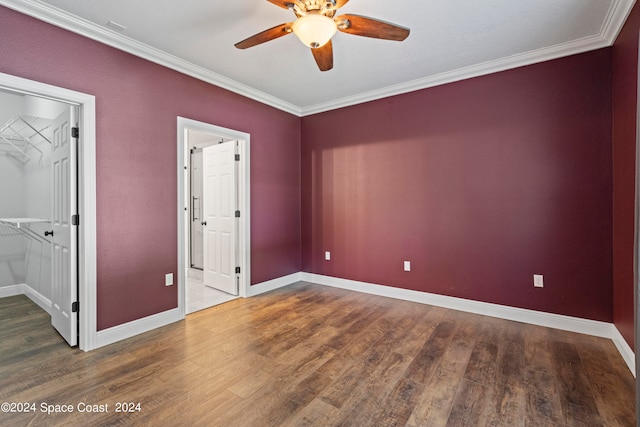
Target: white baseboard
{"points": [[130, 329], [10, 291], [135, 327], [557, 321], [37, 297], [270, 285], [567, 323], [29, 292], [625, 351]]}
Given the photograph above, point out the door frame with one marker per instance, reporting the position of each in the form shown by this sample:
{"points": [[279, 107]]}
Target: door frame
{"points": [[244, 203], [86, 165], [636, 245]]}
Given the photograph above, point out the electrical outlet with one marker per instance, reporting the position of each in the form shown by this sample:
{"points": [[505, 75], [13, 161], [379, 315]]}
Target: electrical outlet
{"points": [[168, 279], [407, 266], [327, 256], [538, 281]]}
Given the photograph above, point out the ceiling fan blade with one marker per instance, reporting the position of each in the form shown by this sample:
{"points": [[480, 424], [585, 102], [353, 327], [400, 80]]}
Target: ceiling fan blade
{"points": [[324, 56], [369, 27], [265, 36], [340, 3]]}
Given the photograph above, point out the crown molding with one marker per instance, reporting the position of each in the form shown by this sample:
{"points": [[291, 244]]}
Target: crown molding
{"points": [[85, 28], [614, 21], [616, 17], [490, 67]]}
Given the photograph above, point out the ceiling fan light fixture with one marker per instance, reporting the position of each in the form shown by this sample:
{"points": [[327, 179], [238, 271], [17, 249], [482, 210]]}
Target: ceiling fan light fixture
{"points": [[314, 30]]}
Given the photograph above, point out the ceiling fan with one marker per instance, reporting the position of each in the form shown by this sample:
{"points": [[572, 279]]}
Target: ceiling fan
{"points": [[316, 24]]}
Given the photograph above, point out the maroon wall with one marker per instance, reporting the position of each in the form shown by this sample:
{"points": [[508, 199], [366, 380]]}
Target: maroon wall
{"points": [[480, 184], [137, 105], [625, 78]]}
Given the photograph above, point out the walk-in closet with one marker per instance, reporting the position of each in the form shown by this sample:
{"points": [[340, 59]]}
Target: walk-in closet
{"points": [[26, 199]]}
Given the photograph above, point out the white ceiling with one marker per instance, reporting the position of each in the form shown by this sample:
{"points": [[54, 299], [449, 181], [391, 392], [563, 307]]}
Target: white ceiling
{"points": [[450, 40]]}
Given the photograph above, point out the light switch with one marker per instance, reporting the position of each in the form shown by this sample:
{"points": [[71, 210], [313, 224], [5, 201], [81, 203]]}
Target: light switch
{"points": [[168, 279], [407, 266]]}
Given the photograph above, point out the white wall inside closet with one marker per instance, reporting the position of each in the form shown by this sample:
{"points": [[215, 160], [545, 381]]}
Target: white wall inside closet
{"points": [[25, 192], [12, 201]]}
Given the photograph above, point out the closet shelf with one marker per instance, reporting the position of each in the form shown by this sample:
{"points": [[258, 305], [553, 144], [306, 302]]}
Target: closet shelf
{"points": [[22, 134], [23, 225]]}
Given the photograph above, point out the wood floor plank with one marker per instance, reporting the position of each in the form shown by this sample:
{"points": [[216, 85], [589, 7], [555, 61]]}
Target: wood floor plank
{"points": [[309, 355], [506, 405], [541, 385], [469, 406], [605, 383], [430, 355], [433, 406], [342, 388], [316, 413], [578, 403], [398, 407], [458, 352], [362, 406], [482, 362]]}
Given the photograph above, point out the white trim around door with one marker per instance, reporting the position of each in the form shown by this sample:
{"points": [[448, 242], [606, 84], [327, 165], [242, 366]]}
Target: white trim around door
{"points": [[244, 226], [87, 260]]}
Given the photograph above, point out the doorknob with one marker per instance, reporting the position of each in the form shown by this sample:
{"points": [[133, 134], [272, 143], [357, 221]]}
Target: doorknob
{"points": [[204, 223], [48, 233]]}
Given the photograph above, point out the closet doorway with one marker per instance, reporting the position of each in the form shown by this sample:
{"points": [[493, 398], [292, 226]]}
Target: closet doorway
{"points": [[70, 227], [39, 211], [214, 217]]}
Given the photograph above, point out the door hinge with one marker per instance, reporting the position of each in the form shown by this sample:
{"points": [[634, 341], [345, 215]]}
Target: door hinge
{"points": [[237, 270], [75, 219], [75, 132], [75, 307], [237, 157], [237, 214]]}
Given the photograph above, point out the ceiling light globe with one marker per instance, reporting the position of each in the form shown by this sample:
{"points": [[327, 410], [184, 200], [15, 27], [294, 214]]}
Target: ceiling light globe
{"points": [[314, 30]]}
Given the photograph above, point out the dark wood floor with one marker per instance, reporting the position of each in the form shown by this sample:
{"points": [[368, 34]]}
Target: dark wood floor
{"points": [[309, 355]]}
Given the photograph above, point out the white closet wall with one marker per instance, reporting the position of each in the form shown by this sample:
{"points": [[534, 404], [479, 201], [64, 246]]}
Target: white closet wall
{"points": [[12, 242], [37, 179], [28, 197], [12, 202]]}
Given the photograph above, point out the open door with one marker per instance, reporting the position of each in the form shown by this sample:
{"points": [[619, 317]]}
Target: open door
{"points": [[219, 217], [64, 316]]}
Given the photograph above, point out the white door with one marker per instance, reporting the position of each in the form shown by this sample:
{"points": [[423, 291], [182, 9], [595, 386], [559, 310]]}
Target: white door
{"points": [[63, 241], [219, 217]]}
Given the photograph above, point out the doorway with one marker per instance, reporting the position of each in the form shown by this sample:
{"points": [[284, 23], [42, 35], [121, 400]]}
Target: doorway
{"points": [[213, 215], [30, 135], [76, 225]]}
